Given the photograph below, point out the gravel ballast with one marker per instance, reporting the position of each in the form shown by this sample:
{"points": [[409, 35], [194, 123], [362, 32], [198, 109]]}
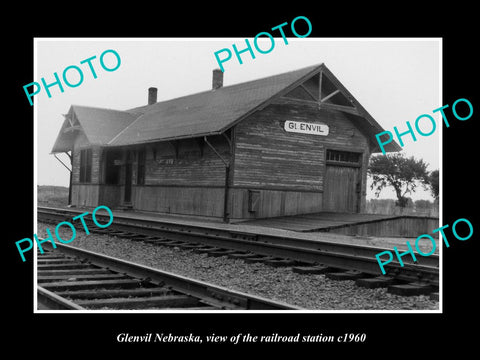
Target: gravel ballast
{"points": [[309, 291]]}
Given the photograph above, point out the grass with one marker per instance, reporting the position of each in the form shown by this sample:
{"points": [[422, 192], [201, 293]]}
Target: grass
{"points": [[52, 195]]}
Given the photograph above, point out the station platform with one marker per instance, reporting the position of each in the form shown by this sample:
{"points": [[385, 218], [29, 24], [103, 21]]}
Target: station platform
{"points": [[323, 221], [362, 229], [405, 226], [326, 227]]}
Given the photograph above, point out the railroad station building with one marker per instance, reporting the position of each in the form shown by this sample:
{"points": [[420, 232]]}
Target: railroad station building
{"points": [[292, 143]]}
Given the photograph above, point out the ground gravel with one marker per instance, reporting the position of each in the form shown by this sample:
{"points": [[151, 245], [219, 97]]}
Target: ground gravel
{"points": [[304, 290]]}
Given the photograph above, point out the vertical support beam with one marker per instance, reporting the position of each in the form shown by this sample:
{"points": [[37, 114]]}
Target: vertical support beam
{"points": [[226, 215], [71, 178], [363, 176], [70, 181]]}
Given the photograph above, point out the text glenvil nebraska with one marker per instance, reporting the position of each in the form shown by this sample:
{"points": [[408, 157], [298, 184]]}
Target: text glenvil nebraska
{"points": [[166, 338]]}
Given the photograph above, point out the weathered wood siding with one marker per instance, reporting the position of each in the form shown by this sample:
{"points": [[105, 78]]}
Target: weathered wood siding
{"points": [[340, 191], [195, 165], [187, 177], [269, 158], [274, 203], [266, 156], [110, 195], [85, 194], [184, 177], [201, 201]]}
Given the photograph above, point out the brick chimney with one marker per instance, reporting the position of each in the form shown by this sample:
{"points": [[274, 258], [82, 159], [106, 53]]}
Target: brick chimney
{"points": [[217, 79], [152, 95]]}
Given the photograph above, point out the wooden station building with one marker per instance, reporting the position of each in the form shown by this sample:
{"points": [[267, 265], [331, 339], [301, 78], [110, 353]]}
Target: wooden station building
{"points": [[287, 144]]}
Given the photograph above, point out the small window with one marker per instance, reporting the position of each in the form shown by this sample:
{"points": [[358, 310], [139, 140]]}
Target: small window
{"points": [[141, 167], [343, 156], [86, 165]]}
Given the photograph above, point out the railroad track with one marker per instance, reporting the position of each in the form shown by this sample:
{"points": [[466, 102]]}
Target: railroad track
{"points": [[337, 261], [70, 278]]}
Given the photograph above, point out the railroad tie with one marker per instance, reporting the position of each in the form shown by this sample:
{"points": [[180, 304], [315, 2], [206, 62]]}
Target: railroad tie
{"points": [[114, 293], [241, 255], [90, 284], [375, 282], [314, 269], [345, 275], [206, 249], [162, 302], [276, 262], [258, 259], [156, 240], [222, 252], [77, 277], [411, 289]]}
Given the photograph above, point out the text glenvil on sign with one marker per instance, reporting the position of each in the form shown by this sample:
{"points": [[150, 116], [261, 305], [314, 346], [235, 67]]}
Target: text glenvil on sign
{"points": [[306, 128]]}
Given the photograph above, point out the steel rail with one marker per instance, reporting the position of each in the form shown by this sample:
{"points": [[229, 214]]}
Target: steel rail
{"points": [[217, 296], [343, 256], [229, 234]]}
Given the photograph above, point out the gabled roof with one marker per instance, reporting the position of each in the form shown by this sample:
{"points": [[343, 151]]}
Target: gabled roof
{"points": [[205, 113], [98, 125], [208, 112]]}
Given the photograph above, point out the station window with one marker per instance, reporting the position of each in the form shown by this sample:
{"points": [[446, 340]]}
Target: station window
{"points": [[141, 167], [86, 165], [337, 156]]}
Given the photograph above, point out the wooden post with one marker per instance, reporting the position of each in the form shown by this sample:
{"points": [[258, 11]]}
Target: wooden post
{"points": [[226, 214], [71, 177]]}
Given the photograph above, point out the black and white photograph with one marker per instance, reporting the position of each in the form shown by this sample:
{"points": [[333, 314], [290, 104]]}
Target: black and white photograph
{"points": [[283, 181], [268, 185]]}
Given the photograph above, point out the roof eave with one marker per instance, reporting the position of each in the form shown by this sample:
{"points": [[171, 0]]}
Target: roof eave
{"points": [[172, 138], [280, 93]]}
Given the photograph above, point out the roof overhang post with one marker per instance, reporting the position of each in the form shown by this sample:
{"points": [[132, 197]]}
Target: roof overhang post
{"points": [[71, 173], [226, 214], [66, 167]]}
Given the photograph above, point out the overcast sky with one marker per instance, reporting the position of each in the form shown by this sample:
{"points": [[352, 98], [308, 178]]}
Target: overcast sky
{"points": [[396, 80]]}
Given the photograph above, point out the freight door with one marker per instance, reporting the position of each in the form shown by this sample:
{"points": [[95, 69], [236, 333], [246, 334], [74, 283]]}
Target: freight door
{"points": [[342, 182]]}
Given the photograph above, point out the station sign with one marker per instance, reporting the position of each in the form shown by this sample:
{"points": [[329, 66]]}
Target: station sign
{"points": [[306, 128]]}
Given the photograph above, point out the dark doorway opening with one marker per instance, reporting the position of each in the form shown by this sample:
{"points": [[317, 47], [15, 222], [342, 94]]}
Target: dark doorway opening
{"points": [[113, 165]]}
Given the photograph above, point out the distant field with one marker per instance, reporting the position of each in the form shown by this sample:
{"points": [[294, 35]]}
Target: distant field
{"points": [[52, 195]]}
